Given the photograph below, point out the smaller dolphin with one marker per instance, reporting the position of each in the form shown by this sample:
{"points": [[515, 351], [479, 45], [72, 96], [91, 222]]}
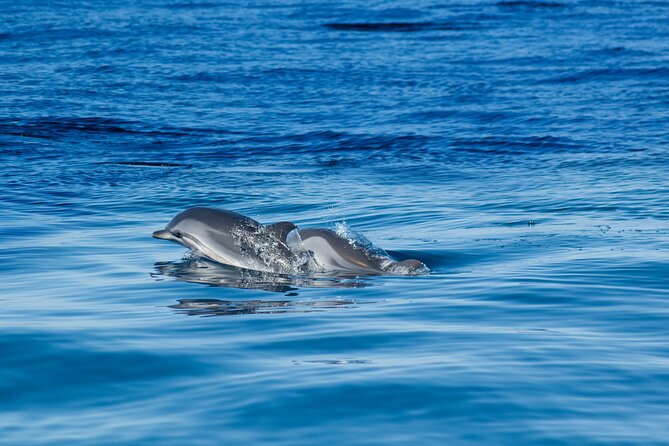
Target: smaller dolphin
{"points": [[232, 239], [331, 252]]}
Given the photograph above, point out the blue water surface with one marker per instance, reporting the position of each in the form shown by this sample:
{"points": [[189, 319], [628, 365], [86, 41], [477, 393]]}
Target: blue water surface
{"points": [[520, 148]]}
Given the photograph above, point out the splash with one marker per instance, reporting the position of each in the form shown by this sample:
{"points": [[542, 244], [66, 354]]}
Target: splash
{"points": [[276, 256], [357, 240], [386, 263]]}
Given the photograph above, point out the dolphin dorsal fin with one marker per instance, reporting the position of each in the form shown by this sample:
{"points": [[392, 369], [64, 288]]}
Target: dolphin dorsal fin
{"points": [[280, 230]]}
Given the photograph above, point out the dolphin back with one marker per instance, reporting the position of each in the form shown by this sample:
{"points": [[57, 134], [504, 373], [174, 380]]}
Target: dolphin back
{"points": [[216, 219]]}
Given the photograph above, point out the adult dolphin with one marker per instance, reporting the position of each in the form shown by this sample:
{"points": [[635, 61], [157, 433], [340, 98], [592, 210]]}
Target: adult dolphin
{"points": [[232, 239], [331, 252]]}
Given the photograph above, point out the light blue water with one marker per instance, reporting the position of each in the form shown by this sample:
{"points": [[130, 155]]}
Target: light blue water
{"points": [[519, 148]]}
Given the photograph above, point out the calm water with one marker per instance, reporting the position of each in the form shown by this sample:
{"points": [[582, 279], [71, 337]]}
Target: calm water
{"points": [[519, 148]]}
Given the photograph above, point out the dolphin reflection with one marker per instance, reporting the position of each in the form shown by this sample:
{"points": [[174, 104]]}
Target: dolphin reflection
{"points": [[204, 271], [217, 307]]}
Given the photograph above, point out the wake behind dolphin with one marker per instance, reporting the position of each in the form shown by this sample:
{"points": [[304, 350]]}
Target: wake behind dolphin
{"points": [[233, 239]]}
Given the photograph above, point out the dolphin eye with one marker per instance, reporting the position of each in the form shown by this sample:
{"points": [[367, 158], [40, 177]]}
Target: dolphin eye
{"points": [[177, 234]]}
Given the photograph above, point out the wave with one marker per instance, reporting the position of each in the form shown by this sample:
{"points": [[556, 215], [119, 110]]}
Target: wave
{"points": [[192, 5], [400, 27], [529, 4], [515, 146], [609, 74], [145, 164], [54, 127]]}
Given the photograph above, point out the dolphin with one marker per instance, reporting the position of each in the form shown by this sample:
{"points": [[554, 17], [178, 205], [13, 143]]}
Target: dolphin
{"points": [[232, 239], [331, 252]]}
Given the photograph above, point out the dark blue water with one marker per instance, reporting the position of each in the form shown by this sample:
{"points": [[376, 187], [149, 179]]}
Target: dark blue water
{"points": [[519, 148]]}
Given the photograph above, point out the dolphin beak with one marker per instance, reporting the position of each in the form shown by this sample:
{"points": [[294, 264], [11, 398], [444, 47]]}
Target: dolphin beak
{"points": [[163, 234]]}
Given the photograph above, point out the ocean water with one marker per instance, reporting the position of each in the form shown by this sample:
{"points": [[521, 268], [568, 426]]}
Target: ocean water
{"points": [[519, 148]]}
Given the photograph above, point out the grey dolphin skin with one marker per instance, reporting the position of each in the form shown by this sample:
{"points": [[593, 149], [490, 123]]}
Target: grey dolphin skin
{"points": [[335, 253], [229, 238], [234, 239]]}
